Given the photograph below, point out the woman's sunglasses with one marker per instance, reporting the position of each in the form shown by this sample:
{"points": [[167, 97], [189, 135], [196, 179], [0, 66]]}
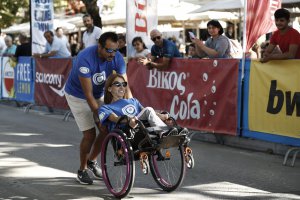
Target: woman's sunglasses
{"points": [[118, 84], [155, 38]]}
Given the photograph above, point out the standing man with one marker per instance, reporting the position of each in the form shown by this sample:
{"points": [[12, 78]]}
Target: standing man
{"points": [[84, 92], [287, 38], [60, 35], [92, 33], [162, 48], [24, 49], [54, 47]]}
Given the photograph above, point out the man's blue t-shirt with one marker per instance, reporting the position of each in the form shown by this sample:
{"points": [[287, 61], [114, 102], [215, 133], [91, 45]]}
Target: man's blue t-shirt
{"points": [[169, 50], [89, 65], [130, 107]]}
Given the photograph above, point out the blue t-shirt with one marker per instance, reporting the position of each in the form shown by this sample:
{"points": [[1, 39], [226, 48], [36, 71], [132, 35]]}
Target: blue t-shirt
{"points": [[89, 65], [130, 107], [168, 50]]}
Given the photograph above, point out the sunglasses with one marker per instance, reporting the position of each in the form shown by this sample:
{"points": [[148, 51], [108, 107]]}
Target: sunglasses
{"points": [[110, 50], [156, 38], [118, 84]]}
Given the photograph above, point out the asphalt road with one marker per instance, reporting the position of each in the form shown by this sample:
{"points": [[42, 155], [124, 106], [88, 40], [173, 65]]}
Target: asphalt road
{"points": [[39, 158]]}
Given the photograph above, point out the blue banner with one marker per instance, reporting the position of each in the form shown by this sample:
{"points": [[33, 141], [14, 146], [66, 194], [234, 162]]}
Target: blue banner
{"points": [[0, 77], [24, 80]]}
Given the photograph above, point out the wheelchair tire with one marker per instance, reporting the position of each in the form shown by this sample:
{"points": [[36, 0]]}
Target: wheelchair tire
{"points": [[117, 163], [168, 167]]}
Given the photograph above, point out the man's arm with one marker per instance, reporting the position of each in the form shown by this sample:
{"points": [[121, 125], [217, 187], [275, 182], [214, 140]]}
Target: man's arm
{"points": [[151, 64], [268, 55], [87, 88], [45, 55], [287, 55]]}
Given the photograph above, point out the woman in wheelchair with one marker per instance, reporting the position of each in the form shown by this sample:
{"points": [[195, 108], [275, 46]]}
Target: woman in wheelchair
{"points": [[162, 148], [117, 105]]}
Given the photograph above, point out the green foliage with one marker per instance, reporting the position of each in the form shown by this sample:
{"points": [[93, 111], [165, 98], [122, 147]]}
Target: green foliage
{"points": [[13, 11]]}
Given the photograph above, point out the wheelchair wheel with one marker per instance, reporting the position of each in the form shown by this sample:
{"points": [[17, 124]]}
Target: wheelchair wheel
{"points": [[117, 164], [168, 168]]}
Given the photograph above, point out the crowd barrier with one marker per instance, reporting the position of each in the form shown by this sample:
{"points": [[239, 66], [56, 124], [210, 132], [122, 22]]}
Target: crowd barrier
{"points": [[207, 95]]}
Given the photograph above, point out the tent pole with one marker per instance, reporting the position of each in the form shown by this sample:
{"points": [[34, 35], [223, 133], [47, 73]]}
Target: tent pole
{"points": [[244, 42]]}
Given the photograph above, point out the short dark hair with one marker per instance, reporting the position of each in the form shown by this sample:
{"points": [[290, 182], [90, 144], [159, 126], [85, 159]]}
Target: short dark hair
{"points": [[217, 24], [51, 33], [108, 36], [87, 15], [58, 29], [121, 37], [282, 13]]}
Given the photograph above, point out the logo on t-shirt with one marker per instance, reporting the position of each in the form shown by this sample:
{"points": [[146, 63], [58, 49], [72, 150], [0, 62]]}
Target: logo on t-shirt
{"points": [[99, 78], [101, 116], [129, 110], [84, 70]]}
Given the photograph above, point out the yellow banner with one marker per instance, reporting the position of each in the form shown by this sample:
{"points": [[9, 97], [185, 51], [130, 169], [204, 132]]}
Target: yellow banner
{"points": [[274, 97]]}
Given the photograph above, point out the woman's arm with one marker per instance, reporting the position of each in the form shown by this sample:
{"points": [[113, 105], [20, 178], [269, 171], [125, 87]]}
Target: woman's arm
{"points": [[114, 118]]}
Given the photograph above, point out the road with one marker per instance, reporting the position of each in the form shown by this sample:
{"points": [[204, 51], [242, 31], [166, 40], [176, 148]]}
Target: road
{"points": [[39, 158]]}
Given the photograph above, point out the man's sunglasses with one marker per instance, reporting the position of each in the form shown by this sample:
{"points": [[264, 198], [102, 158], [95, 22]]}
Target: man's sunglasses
{"points": [[156, 38], [110, 50], [118, 84]]}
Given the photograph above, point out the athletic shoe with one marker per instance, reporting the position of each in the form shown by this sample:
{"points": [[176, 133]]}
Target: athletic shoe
{"points": [[171, 131], [94, 167], [83, 177], [183, 131]]}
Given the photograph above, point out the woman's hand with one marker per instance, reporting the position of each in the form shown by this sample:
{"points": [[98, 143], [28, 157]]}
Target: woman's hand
{"points": [[132, 122]]}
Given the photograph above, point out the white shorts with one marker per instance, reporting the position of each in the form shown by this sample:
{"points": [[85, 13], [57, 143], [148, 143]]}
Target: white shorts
{"points": [[82, 112]]}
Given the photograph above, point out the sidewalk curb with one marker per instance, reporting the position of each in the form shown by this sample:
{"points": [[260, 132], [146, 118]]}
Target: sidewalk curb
{"points": [[242, 142]]}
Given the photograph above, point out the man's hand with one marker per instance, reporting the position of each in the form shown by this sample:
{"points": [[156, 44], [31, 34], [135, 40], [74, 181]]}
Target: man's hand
{"points": [[265, 58], [144, 60]]}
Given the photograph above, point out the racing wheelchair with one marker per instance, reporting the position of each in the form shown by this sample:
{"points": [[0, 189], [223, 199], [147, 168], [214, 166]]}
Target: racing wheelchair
{"points": [[165, 157]]}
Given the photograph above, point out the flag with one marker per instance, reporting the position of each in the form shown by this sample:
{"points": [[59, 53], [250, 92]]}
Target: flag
{"points": [[260, 19], [42, 15], [141, 18]]}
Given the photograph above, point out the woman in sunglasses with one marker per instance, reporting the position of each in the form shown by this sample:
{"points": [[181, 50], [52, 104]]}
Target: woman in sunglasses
{"points": [[118, 104]]}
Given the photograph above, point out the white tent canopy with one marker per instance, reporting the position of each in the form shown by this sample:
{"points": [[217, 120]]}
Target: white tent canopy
{"points": [[25, 27], [229, 5]]}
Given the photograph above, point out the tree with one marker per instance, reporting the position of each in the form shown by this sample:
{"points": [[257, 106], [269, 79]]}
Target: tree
{"points": [[13, 12], [93, 10]]}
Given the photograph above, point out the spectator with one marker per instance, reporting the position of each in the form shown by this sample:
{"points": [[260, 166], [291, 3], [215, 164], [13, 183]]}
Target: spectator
{"points": [[60, 35], [230, 31], [140, 48], [217, 46], [2, 43], [162, 48], [122, 44], [74, 44], [191, 51], [84, 93], [10, 47], [54, 47], [287, 38], [92, 33], [24, 49]]}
